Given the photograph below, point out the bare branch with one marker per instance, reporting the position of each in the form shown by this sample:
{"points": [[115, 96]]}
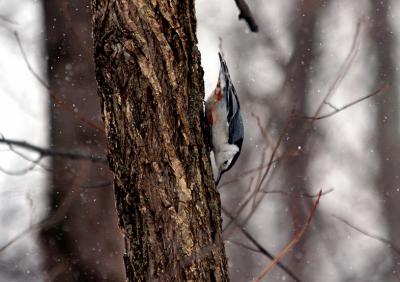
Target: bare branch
{"points": [[330, 105], [244, 246], [246, 15], [55, 217], [7, 20], [260, 248], [370, 235], [37, 76], [63, 105], [263, 131], [33, 164], [339, 78], [16, 238], [97, 185], [276, 147], [301, 195], [24, 170], [45, 152], [23, 156], [260, 167], [296, 238], [344, 69], [270, 162], [382, 89], [36, 162]]}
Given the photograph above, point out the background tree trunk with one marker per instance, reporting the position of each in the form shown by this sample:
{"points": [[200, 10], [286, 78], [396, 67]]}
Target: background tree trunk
{"points": [[151, 88], [83, 242], [297, 138], [387, 120]]}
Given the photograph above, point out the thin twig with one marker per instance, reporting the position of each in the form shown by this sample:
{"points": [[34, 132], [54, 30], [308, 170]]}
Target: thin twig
{"points": [[52, 219], [97, 185], [382, 89], [268, 168], [56, 216], [262, 129], [370, 235], [19, 236], [28, 64], [244, 246], [300, 195], [247, 15], [256, 169], [344, 69], [341, 74], [260, 248], [7, 20], [276, 147], [63, 105], [330, 105], [296, 238], [45, 152], [29, 159], [24, 170]]}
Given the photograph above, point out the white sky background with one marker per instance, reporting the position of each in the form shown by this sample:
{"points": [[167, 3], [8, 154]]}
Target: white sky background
{"points": [[23, 116]]}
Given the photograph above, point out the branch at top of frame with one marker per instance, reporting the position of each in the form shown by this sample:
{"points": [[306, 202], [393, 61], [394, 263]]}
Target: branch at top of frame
{"points": [[246, 15]]}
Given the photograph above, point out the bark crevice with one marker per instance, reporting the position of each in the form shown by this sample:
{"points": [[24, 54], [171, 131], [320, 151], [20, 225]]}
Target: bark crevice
{"points": [[151, 87]]}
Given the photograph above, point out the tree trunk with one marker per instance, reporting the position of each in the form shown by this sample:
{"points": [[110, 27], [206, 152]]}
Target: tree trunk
{"points": [[387, 133], [82, 242], [298, 134], [151, 88]]}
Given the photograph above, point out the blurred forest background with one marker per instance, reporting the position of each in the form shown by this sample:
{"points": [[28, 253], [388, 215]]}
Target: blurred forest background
{"points": [[318, 85]]}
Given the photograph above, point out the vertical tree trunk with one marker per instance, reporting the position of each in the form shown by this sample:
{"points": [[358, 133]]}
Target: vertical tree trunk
{"points": [[83, 242], [296, 167], [387, 120], [150, 83]]}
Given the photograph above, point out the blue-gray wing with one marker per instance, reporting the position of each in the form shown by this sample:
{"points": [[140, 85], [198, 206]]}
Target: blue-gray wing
{"points": [[234, 119]]}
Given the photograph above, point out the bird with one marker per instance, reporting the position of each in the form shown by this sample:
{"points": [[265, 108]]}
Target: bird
{"points": [[225, 123]]}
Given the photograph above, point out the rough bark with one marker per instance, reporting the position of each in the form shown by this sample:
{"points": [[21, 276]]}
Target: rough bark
{"points": [[151, 88], [81, 240]]}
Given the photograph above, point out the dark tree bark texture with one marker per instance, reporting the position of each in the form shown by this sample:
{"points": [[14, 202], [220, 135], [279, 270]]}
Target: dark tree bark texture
{"points": [[151, 88]]}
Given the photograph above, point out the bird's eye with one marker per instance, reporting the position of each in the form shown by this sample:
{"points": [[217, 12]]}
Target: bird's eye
{"points": [[225, 162]]}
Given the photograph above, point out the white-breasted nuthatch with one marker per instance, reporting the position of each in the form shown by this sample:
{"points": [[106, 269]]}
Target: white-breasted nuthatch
{"points": [[225, 123]]}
